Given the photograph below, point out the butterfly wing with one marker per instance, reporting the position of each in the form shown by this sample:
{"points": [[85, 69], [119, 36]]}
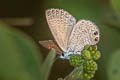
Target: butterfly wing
{"points": [[84, 33], [60, 23], [49, 44]]}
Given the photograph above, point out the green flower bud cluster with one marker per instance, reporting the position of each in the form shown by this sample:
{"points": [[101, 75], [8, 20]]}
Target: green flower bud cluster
{"points": [[90, 66], [91, 52], [86, 60], [89, 69], [88, 75], [76, 60]]}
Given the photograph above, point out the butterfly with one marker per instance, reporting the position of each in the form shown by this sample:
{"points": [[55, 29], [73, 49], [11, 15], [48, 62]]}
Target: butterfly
{"points": [[70, 35]]}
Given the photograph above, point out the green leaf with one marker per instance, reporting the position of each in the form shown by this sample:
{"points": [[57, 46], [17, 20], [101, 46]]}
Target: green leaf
{"points": [[28, 53], [45, 70], [116, 6], [18, 56], [113, 68], [10, 64]]}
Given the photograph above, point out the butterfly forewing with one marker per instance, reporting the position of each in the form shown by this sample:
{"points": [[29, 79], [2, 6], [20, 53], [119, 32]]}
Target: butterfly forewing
{"points": [[49, 44], [84, 33], [60, 23]]}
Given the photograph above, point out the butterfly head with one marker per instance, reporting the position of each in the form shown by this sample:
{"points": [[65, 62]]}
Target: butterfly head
{"points": [[62, 56], [66, 55]]}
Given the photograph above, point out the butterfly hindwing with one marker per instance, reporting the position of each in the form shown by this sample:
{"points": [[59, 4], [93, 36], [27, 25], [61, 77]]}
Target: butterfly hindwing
{"points": [[84, 33]]}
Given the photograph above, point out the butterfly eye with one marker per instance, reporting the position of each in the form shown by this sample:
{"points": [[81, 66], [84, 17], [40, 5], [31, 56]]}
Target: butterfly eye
{"points": [[96, 39], [95, 33], [62, 54]]}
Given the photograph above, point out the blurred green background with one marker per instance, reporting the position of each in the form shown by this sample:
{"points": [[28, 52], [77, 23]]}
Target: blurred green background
{"points": [[27, 18]]}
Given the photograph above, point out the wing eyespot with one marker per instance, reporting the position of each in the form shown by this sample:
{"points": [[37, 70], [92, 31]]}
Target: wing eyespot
{"points": [[96, 39], [95, 33]]}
